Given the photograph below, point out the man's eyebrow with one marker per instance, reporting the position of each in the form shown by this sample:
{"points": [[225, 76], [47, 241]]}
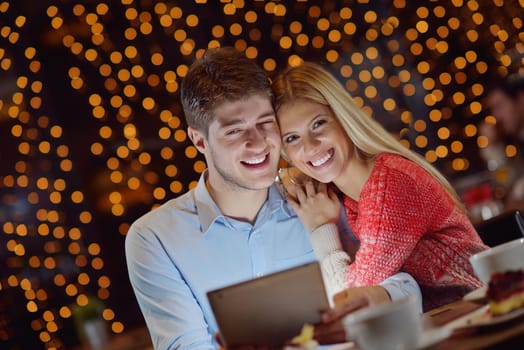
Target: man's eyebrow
{"points": [[266, 115], [231, 122]]}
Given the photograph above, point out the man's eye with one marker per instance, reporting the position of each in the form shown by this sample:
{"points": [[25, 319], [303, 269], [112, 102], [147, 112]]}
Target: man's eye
{"points": [[267, 124], [233, 131]]}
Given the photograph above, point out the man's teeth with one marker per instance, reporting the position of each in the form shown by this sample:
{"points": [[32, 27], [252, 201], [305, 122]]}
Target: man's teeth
{"points": [[256, 160], [322, 160]]}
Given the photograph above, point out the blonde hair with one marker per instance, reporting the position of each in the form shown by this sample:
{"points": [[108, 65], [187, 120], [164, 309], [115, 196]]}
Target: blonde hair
{"points": [[311, 81]]}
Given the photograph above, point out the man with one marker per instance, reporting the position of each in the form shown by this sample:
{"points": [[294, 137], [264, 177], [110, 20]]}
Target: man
{"points": [[235, 224], [506, 102]]}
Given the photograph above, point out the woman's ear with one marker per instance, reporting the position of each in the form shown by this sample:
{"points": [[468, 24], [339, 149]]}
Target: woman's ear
{"points": [[198, 138]]}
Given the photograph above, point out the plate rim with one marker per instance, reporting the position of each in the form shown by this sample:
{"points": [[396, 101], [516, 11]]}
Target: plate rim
{"points": [[442, 333], [472, 320], [476, 294]]}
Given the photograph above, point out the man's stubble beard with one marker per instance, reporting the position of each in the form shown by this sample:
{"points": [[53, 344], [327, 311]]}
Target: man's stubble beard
{"points": [[236, 183]]}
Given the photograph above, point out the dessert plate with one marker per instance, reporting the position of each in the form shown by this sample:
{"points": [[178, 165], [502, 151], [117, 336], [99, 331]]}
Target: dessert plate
{"points": [[427, 339], [430, 337], [478, 294], [342, 346], [482, 318]]}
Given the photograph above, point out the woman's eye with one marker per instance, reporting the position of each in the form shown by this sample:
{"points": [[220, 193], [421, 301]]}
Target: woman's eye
{"points": [[318, 123], [290, 139]]}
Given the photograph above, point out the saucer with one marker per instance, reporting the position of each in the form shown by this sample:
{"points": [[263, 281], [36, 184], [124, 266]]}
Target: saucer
{"points": [[482, 318], [478, 294], [430, 337]]}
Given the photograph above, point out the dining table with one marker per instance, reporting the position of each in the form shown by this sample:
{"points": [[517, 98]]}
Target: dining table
{"points": [[471, 326], [462, 325]]}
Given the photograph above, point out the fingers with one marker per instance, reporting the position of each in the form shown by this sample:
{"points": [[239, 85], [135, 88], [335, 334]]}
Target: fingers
{"points": [[310, 187], [330, 333], [343, 309], [332, 194], [331, 329], [300, 194], [219, 340]]}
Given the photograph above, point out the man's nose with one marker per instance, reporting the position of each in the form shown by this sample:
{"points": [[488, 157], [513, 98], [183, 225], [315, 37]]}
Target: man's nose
{"points": [[256, 137]]}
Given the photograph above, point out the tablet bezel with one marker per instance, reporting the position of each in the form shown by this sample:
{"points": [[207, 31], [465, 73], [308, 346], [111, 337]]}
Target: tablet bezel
{"points": [[269, 310]]}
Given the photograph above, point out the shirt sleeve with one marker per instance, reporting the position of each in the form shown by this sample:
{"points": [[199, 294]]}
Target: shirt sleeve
{"points": [[172, 314], [393, 215], [402, 285]]}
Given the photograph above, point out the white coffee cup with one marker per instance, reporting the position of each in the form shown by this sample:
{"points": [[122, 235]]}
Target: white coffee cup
{"points": [[501, 258], [397, 325]]}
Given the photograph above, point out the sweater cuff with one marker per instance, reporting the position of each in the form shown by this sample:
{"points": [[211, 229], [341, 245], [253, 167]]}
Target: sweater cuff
{"points": [[325, 240]]}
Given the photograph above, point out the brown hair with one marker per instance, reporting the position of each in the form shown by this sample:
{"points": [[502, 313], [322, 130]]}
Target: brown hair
{"points": [[220, 75]]}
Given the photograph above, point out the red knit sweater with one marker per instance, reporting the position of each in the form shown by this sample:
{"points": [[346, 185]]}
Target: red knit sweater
{"points": [[406, 221]]}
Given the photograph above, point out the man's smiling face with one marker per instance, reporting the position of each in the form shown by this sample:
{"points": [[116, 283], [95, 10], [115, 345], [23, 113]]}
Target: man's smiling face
{"points": [[242, 148]]}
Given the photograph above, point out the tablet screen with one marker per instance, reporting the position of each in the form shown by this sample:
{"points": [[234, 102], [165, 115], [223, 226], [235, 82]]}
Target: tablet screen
{"points": [[271, 309]]}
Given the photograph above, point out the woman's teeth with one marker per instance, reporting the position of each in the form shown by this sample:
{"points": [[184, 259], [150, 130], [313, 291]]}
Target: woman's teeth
{"points": [[322, 160]]}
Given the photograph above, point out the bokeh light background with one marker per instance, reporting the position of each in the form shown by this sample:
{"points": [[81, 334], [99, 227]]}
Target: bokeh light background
{"points": [[92, 133]]}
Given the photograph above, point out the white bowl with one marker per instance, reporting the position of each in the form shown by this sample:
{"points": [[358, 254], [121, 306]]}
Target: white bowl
{"points": [[501, 258], [395, 325]]}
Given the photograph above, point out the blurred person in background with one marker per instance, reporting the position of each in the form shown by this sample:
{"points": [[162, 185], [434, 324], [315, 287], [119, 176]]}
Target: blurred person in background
{"points": [[507, 105], [504, 154]]}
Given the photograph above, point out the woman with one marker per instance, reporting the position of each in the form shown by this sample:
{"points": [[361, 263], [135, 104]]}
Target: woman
{"points": [[404, 212]]}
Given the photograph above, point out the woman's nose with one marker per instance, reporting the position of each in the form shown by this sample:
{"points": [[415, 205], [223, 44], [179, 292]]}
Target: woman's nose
{"points": [[310, 143]]}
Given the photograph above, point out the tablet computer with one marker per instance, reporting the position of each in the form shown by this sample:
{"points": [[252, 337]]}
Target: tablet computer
{"points": [[269, 310]]}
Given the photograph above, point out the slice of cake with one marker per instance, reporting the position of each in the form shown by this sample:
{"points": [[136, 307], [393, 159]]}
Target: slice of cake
{"points": [[303, 341], [505, 292]]}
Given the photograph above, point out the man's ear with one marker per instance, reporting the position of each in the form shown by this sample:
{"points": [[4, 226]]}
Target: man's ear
{"points": [[198, 139]]}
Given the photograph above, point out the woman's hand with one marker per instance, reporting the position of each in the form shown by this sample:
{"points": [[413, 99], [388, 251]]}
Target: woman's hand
{"points": [[316, 204], [330, 330], [373, 295]]}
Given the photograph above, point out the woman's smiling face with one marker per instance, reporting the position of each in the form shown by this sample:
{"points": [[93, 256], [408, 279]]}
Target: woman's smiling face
{"points": [[313, 139]]}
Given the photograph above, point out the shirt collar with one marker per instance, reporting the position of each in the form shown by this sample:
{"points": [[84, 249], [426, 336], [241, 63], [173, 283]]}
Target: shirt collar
{"points": [[206, 207], [277, 200], [208, 211]]}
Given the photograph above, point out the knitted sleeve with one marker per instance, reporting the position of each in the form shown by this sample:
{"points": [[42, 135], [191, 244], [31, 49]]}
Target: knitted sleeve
{"points": [[332, 257], [395, 209]]}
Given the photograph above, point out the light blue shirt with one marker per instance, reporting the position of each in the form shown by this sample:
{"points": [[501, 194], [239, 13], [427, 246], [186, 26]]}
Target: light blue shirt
{"points": [[186, 247]]}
